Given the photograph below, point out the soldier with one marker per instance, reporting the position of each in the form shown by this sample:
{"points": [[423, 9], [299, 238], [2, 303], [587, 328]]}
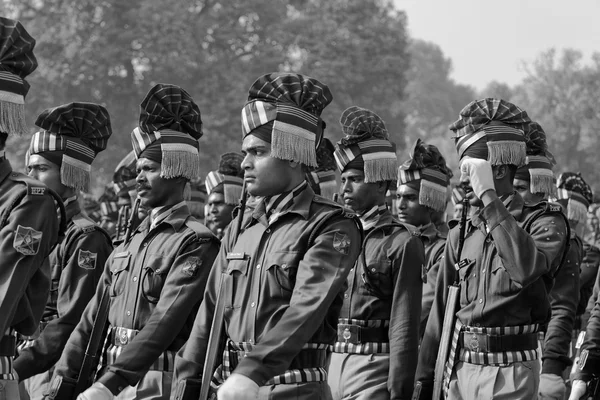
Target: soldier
{"points": [[156, 278], [29, 226], [224, 188], [422, 188], [508, 248], [60, 156], [284, 276], [375, 353], [458, 194], [535, 183]]}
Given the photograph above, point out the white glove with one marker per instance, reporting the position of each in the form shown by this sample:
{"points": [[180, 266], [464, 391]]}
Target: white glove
{"points": [[552, 387], [238, 387], [96, 392], [480, 174], [578, 389]]}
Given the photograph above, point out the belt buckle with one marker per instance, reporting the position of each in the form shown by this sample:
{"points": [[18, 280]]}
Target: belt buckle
{"points": [[474, 343], [123, 337], [350, 333]]}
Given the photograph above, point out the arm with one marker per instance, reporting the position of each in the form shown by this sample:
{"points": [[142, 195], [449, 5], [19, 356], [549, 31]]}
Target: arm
{"points": [[588, 272], [321, 276], [525, 255], [30, 233], [436, 256], [404, 320], [77, 286], [179, 296], [563, 300]]}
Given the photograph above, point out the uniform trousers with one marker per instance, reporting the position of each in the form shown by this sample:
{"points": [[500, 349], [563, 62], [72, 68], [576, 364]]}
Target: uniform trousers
{"points": [[155, 385], [9, 389], [35, 387], [359, 376], [295, 391], [519, 380]]}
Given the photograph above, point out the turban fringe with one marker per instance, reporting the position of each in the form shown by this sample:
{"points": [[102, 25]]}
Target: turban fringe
{"points": [[326, 182], [505, 144], [232, 186], [378, 155], [12, 105], [180, 151], [538, 171], [433, 186], [577, 205], [294, 133]]}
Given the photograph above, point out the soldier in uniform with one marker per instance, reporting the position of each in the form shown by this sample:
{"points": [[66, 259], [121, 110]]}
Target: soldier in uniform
{"points": [[535, 183], [375, 353], [422, 191], [284, 276], [458, 194], [224, 188], [29, 225], [60, 156], [509, 249], [156, 278]]}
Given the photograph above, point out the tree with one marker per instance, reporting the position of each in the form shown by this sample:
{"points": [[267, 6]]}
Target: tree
{"points": [[498, 90]]}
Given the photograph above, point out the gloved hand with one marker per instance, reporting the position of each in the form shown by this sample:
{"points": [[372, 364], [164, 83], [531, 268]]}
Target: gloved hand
{"points": [[238, 387], [578, 389], [552, 387], [96, 392], [480, 174]]}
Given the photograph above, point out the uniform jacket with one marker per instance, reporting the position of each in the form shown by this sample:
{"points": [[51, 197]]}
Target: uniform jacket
{"points": [[508, 274], [388, 288], [434, 242], [29, 229], [77, 264], [588, 272], [591, 259], [156, 281], [564, 297], [279, 294]]}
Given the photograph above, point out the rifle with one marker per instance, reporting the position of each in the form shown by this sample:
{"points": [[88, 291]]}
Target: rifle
{"points": [[122, 220], [216, 327], [450, 311]]}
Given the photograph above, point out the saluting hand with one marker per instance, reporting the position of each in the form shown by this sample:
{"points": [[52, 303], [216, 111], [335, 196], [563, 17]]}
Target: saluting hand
{"points": [[96, 392], [479, 173], [578, 389], [238, 387]]}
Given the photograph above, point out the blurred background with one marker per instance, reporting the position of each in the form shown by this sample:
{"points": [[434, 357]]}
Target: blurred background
{"points": [[415, 63]]}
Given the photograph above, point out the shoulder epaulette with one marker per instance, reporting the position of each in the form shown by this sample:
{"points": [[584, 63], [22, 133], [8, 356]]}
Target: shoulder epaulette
{"points": [[348, 213], [34, 187], [201, 230], [553, 207], [85, 225]]}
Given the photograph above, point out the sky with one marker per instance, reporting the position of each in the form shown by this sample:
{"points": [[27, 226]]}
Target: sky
{"points": [[490, 40]]}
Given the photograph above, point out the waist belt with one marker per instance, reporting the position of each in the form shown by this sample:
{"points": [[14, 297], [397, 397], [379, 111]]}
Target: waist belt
{"points": [[120, 336], [307, 358], [356, 334], [8, 343], [486, 343]]}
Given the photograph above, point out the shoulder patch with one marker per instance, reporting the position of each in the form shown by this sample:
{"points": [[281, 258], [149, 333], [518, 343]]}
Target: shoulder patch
{"points": [[341, 243], [34, 187], [27, 240], [553, 207], [191, 266], [86, 259]]}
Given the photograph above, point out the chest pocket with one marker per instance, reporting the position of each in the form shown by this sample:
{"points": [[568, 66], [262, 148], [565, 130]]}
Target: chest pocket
{"points": [[118, 269], [468, 282], [154, 277], [500, 282], [236, 273], [378, 278], [282, 269]]}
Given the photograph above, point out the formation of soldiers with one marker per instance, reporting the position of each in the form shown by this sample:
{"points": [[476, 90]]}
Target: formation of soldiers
{"points": [[298, 269]]}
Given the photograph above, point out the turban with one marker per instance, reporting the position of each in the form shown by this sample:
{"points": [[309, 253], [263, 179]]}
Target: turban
{"points": [[124, 177], [366, 146], [286, 109], [71, 137], [228, 179], [323, 178], [16, 62], [169, 119], [538, 163], [491, 129], [576, 193], [427, 165]]}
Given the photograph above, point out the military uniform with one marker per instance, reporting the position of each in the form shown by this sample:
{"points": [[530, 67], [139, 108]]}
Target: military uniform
{"points": [[434, 242], [283, 297], [77, 264]]}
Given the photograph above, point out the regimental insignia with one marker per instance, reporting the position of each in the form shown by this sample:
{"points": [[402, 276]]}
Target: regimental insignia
{"points": [[87, 259], [37, 190], [554, 207], [27, 240], [341, 242], [191, 266]]}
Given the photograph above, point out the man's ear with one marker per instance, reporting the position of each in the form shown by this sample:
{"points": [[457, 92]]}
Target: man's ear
{"points": [[382, 186], [500, 171]]}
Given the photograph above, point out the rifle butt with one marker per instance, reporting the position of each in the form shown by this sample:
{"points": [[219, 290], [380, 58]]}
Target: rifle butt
{"points": [[445, 340]]}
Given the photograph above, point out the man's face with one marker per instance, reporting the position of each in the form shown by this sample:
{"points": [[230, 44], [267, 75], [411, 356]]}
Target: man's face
{"points": [[357, 194], [264, 175], [46, 172], [409, 209], [219, 213], [524, 189], [153, 190], [458, 208]]}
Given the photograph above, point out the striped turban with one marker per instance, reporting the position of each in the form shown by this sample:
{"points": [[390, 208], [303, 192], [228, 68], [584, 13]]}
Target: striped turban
{"points": [[491, 129], [285, 110], [538, 163], [427, 166], [366, 146], [577, 195], [16, 62], [124, 177], [228, 179], [71, 136], [169, 121]]}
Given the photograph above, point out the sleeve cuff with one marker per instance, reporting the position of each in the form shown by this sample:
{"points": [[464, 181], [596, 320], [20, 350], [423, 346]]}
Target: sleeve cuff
{"points": [[113, 382], [253, 370], [550, 366], [494, 213]]}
